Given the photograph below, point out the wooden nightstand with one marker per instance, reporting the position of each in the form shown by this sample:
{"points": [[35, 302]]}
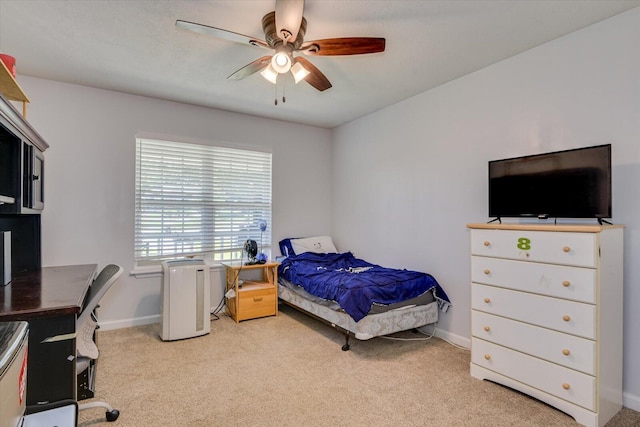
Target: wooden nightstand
{"points": [[253, 297]]}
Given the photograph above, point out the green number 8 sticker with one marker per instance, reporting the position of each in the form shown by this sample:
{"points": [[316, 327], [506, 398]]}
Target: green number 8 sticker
{"points": [[524, 243]]}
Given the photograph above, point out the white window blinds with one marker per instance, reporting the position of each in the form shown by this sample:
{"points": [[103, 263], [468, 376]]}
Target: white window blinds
{"points": [[199, 199]]}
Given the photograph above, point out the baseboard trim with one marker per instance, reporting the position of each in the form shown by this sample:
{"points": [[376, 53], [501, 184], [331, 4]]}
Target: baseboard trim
{"points": [[128, 323], [453, 338], [631, 401]]}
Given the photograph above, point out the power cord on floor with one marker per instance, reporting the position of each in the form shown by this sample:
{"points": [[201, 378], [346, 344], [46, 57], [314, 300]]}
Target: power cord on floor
{"points": [[428, 337], [214, 313], [386, 337]]}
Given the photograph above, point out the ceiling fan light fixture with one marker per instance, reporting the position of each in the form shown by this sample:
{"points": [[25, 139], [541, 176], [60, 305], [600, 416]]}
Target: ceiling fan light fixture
{"points": [[270, 74], [281, 61], [299, 72]]}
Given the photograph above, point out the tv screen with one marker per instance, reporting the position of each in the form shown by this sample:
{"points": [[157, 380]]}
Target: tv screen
{"points": [[562, 184]]}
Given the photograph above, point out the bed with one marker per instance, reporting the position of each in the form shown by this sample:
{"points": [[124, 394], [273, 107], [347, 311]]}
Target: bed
{"points": [[354, 296]]}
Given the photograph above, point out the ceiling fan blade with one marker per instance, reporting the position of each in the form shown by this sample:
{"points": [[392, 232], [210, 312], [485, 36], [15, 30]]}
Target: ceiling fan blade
{"points": [[220, 33], [343, 46], [289, 17], [315, 77], [251, 68]]}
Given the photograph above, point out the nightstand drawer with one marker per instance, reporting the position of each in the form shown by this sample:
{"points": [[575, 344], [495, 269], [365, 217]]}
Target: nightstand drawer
{"points": [[259, 302], [562, 382], [579, 249], [575, 283], [572, 317], [564, 349]]}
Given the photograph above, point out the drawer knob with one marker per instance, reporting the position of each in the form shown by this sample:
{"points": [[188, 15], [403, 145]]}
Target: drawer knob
{"points": [[487, 356], [566, 386], [487, 271], [487, 300], [566, 352], [566, 317], [566, 249], [486, 328], [566, 283], [487, 243], [257, 299]]}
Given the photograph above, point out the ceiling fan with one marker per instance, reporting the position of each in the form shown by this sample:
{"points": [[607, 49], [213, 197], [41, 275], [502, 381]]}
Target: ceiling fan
{"points": [[284, 30]]}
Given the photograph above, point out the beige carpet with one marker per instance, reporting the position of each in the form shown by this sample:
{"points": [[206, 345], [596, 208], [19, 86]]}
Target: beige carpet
{"points": [[290, 370]]}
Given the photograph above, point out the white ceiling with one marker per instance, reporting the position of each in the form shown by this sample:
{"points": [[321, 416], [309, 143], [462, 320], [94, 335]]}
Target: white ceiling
{"points": [[134, 47]]}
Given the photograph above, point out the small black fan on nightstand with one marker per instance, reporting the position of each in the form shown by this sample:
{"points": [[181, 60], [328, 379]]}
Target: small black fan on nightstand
{"points": [[251, 248]]}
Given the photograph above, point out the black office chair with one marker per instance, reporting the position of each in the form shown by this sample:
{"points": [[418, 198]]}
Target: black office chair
{"points": [[86, 325]]}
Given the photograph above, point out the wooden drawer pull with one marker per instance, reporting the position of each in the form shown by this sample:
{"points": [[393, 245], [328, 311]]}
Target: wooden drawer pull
{"points": [[487, 271], [487, 329], [566, 283], [487, 356], [487, 243], [566, 249], [566, 352], [566, 317], [257, 299], [566, 386], [487, 300]]}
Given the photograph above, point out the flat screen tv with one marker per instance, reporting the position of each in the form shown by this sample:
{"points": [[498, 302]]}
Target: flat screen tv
{"points": [[562, 184]]}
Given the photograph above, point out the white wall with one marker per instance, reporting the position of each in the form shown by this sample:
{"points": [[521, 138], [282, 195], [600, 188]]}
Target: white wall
{"points": [[90, 167], [408, 178]]}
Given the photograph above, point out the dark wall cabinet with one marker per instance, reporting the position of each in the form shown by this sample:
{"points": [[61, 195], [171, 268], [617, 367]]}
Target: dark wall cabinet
{"points": [[22, 174], [21, 165]]}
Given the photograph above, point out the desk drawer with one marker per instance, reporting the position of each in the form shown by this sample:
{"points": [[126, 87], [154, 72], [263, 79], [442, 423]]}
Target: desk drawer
{"points": [[257, 303], [564, 349], [575, 283], [561, 382], [572, 317], [555, 247]]}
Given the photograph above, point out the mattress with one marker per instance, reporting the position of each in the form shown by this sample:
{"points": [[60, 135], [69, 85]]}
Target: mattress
{"points": [[376, 324], [356, 284], [423, 299]]}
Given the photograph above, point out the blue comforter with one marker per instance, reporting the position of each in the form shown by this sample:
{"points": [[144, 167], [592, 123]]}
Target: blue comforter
{"points": [[356, 284]]}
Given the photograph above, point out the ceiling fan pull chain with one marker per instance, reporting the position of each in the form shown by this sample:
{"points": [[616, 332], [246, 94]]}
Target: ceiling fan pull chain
{"points": [[275, 100], [283, 93]]}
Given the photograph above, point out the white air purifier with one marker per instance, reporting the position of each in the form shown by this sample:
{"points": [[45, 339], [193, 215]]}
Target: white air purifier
{"points": [[186, 295]]}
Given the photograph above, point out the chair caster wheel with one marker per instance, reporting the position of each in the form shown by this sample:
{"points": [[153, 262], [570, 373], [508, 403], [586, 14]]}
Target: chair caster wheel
{"points": [[112, 415], [345, 347]]}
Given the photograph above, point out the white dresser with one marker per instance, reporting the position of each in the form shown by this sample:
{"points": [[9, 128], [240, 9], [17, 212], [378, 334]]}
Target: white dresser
{"points": [[546, 314]]}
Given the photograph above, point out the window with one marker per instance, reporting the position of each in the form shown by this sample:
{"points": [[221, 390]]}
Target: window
{"points": [[199, 200]]}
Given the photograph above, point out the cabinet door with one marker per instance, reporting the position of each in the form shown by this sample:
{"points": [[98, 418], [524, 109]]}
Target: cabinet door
{"points": [[32, 178], [51, 372], [9, 171], [37, 180]]}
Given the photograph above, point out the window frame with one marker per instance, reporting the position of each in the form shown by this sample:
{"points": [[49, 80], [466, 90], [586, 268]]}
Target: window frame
{"points": [[216, 210]]}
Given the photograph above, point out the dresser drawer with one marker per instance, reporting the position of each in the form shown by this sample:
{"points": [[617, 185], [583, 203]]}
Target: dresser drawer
{"points": [[559, 381], [565, 316], [254, 303], [564, 349], [575, 283], [579, 249]]}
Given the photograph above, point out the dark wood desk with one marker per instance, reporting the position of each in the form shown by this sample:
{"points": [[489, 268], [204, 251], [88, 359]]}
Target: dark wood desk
{"points": [[50, 299]]}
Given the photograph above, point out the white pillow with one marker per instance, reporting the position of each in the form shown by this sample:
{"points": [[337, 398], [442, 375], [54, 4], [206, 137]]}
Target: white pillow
{"points": [[318, 244]]}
